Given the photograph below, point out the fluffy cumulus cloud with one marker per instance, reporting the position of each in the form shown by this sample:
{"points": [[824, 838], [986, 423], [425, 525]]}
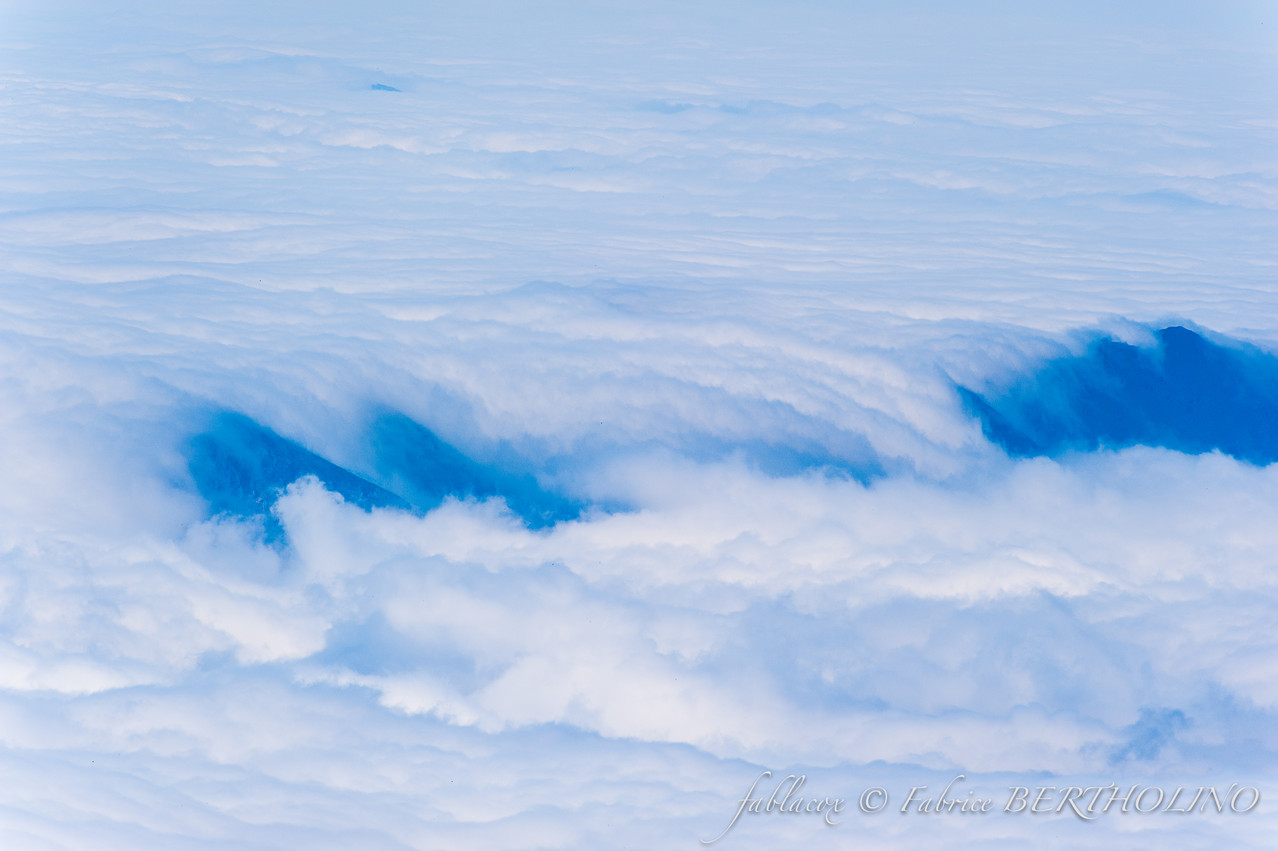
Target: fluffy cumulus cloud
{"points": [[525, 426]]}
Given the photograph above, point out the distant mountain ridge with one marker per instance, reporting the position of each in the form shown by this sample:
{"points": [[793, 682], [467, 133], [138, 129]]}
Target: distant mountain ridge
{"points": [[240, 467], [1187, 393]]}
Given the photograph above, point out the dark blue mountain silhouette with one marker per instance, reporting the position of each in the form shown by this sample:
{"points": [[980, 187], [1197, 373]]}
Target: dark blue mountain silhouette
{"points": [[240, 467], [414, 462], [1187, 393]]}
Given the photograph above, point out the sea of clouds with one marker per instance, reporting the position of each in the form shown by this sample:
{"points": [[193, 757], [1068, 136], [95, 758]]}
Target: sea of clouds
{"points": [[711, 275]]}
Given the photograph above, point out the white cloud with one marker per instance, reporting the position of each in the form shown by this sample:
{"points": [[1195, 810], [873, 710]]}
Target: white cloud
{"points": [[716, 274]]}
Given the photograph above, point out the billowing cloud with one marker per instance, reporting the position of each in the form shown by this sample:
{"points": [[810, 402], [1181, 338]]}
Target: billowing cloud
{"points": [[524, 428]]}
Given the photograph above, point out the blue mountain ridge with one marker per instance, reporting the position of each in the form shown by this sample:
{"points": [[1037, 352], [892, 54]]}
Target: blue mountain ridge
{"points": [[1187, 393], [240, 467]]}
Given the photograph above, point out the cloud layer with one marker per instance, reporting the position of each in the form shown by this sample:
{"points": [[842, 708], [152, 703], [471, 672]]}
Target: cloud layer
{"points": [[520, 429]]}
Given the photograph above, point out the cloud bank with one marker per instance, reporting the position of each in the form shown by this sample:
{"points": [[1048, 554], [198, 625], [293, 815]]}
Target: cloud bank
{"points": [[522, 428]]}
